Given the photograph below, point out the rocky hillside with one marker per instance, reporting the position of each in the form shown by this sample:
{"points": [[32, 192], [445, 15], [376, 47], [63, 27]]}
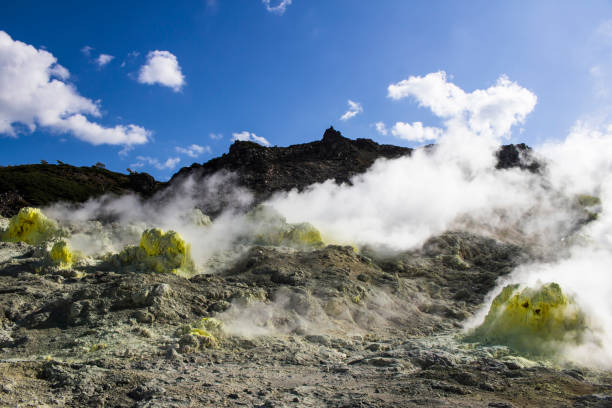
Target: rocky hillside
{"points": [[263, 170], [43, 184]]}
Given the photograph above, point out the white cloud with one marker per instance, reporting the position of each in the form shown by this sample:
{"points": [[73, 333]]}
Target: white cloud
{"points": [[246, 136], [491, 112], [104, 59], [381, 128], [415, 132], [194, 150], [215, 136], [169, 164], [162, 68], [354, 109], [87, 50], [33, 93], [280, 8]]}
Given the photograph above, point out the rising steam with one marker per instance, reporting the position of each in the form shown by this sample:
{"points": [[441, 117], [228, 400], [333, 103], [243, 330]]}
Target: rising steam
{"points": [[398, 204]]}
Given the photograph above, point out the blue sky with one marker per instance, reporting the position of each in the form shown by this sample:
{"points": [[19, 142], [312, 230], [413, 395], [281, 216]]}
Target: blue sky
{"points": [[286, 76]]}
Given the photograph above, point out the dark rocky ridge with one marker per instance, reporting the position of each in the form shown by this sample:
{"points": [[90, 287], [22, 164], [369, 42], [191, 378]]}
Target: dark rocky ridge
{"points": [[263, 170], [266, 170]]}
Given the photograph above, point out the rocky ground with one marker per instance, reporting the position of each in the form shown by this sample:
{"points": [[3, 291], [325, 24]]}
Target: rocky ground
{"points": [[268, 325], [305, 328]]}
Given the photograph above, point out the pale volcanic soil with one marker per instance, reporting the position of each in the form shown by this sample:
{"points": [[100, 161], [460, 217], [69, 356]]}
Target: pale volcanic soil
{"points": [[293, 327]]}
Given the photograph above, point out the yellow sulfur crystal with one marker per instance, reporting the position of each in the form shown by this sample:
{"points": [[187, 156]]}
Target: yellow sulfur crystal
{"points": [[31, 226], [162, 252], [61, 254], [532, 320]]}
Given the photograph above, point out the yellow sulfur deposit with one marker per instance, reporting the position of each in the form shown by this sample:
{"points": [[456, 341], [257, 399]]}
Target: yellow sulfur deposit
{"points": [[61, 254], [304, 233], [162, 252], [31, 226], [203, 334], [207, 327], [532, 320], [271, 228]]}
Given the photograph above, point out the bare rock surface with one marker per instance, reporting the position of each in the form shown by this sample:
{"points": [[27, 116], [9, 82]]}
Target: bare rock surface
{"points": [[300, 328]]}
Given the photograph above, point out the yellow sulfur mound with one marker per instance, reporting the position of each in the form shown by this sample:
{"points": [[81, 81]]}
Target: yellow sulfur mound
{"points": [[162, 252], [203, 334], [271, 228], [532, 320], [207, 327], [61, 254], [31, 226], [304, 233]]}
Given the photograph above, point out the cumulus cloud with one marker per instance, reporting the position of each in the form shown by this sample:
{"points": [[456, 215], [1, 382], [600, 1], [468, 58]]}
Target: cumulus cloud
{"points": [[280, 8], [169, 164], [381, 128], [34, 93], [400, 211], [104, 59], [215, 136], [246, 136], [354, 109], [162, 68], [492, 111], [194, 150], [415, 132]]}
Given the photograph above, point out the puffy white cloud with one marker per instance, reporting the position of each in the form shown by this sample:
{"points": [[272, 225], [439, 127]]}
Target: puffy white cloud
{"points": [[162, 68], [280, 8], [194, 150], [246, 136], [215, 136], [169, 164], [104, 59], [400, 203], [491, 112], [415, 132], [381, 128], [34, 93], [354, 109]]}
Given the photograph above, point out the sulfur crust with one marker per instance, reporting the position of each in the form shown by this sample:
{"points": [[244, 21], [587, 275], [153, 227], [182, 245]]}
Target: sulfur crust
{"points": [[61, 254], [161, 252], [31, 226], [532, 320], [271, 228]]}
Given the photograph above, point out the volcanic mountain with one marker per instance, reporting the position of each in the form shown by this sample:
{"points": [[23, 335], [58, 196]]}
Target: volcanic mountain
{"points": [[262, 170]]}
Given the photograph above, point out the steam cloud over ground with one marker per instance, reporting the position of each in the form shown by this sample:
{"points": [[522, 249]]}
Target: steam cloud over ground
{"points": [[562, 210]]}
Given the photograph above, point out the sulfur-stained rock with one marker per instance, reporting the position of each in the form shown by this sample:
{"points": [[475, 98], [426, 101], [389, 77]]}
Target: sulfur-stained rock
{"points": [[61, 254], [31, 226], [159, 251], [271, 228], [532, 320]]}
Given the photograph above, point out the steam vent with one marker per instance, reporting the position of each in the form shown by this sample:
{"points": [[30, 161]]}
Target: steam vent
{"points": [[217, 268], [533, 320], [306, 204]]}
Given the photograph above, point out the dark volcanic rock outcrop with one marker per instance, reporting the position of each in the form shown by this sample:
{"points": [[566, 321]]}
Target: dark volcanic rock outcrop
{"points": [[265, 170], [517, 155]]}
